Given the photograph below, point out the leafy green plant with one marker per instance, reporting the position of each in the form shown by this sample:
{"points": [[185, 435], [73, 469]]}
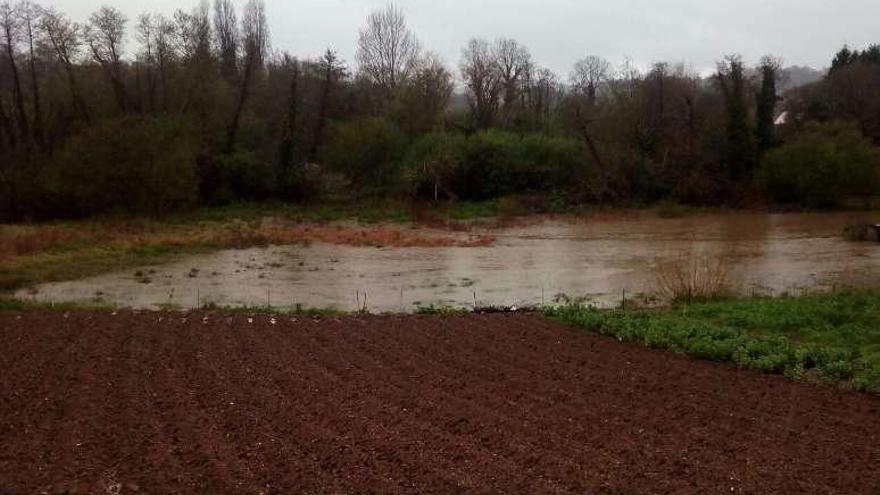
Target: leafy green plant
{"points": [[833, 337]]}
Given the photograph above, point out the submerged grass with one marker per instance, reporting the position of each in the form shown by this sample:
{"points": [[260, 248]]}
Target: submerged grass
{"points": [[10, 304], [832, 337], [298, 310], [31, 254], [14, 304]]}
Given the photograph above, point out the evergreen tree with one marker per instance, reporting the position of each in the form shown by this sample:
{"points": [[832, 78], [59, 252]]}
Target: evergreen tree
{"points": [[766, 107], [731, 77], [843, 58]]}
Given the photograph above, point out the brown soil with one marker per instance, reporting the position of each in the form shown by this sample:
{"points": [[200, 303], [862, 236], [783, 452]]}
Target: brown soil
{"points": [[173, 403]]}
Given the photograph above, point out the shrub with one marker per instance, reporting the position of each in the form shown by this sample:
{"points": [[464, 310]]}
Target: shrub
{"points": [[492, 167], [430, 162], [136, 165], [242, 175], [368, 151], [822, 166], [497, 163], [561, 160], [690, 278]]}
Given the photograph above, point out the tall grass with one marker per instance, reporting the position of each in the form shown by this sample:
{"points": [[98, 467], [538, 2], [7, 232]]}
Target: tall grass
{"points": [[689, 278]]}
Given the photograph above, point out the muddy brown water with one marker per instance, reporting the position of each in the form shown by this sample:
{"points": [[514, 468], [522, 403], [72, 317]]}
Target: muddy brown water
{"points": [[528, 264]]}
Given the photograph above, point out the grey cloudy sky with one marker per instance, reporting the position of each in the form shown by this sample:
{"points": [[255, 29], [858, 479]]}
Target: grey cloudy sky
{"points": [[699, 32]]}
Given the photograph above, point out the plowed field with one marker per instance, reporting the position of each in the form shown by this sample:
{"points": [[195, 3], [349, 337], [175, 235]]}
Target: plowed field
{"points": [[96, 402]]}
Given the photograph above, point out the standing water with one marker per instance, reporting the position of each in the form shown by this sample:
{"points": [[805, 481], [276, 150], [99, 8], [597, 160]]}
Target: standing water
{"points": [[529, 264]]}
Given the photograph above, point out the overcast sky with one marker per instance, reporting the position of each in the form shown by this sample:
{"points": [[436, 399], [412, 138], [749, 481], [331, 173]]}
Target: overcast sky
{"points": [[699, 32]]}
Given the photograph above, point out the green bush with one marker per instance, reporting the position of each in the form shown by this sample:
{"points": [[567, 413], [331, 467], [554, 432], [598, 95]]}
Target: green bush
{"points": [[430, 163], [135, 165], [242, 175], [822, 166], [498, 163], [368, 151]]}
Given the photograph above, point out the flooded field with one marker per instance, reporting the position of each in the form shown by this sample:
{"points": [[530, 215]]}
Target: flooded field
{"points": [[531, 263]]}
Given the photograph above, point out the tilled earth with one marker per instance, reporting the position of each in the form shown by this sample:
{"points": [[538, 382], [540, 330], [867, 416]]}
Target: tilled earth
{"points": [[208, 403]]}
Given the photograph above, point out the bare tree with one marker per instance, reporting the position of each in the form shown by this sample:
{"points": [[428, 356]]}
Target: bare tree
{"points": [[226, 32], [588, 75], [193, 33], [421, 102], [164, 33], [29, 18], [543, 95], [514, 65], [387, 49], [155, 34], [146, 36], [105, 35], [193, 40], [479, 71], [10, 36], [255, 38], [625, 82], [65, 38]]}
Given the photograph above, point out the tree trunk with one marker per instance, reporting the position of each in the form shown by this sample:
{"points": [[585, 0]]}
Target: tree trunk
{"points": [[18, 94], [7, 133], [239, 108], [288, 150], [78, 102], [35, 90], [322, 114], [587, 136], [111, 69]]}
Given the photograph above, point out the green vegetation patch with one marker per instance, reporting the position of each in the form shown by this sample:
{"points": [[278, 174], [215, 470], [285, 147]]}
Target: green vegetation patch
{"points": [[59, 265], [10, 304], [834, 337]]}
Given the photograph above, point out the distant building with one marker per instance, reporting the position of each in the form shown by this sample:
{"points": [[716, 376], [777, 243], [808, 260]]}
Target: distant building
{"points": [[782, 119]]}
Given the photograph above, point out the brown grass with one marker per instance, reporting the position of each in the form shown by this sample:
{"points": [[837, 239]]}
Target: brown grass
{"points": [[693, 278], [23, 240]]}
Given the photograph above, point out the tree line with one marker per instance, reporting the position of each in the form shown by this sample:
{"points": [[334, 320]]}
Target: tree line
{"points": [[156, 114]]}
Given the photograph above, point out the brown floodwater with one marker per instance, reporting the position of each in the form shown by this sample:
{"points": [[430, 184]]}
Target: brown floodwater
{"points": [[595, 259]]}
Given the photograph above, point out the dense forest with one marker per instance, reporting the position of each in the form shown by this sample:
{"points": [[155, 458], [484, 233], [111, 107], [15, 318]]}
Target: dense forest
{"points": [[157, 114]]}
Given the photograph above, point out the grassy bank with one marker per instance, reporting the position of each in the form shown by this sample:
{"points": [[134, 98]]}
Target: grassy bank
{"points": [[833, 337]]}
